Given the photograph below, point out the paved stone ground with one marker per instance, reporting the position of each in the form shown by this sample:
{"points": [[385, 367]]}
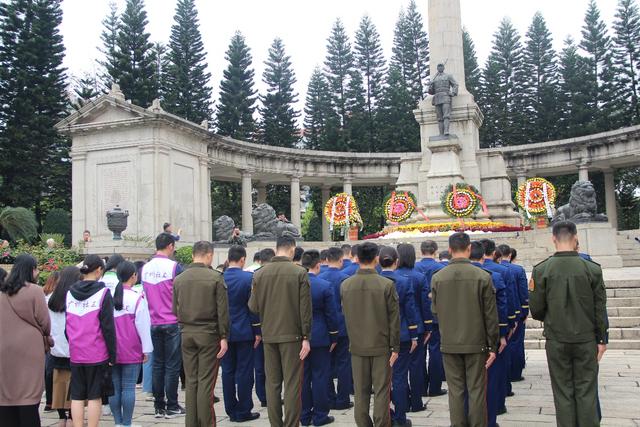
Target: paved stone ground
{"points": [[531, 406]]}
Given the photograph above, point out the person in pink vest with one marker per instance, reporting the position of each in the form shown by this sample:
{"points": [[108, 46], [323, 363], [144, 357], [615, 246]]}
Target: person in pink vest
{"points": [[92, 341], [133, 337], [157, 281]]}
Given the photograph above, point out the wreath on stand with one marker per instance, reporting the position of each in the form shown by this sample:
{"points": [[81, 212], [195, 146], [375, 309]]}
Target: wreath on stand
{"points": [[399, 206], [536, 197], [341, 211], [462, 201]]}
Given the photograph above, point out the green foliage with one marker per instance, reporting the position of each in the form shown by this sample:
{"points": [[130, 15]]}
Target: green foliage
{"points": [[321, 122], [58, 221], [58, 238], [401, 131], [471, 68], [371, 206], [184, 255], [626, 55], [226, 199], [311, 227], [109, 49], [85, 89], [18, 223], [338, 67], [49, 259], [146, 241]]}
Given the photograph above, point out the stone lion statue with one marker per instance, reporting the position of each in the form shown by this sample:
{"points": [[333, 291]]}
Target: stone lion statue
{"points": [[223, 227], [582, 205], [267, 227]]}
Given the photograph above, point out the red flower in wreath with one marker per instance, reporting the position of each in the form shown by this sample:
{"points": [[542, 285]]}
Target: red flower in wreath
{"points": [[399, 206], [536, 196], [461, 201]]}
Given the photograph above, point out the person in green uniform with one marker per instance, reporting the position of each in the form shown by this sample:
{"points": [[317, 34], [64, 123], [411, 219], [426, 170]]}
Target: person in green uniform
{"points": [[372, 315], [281, 296], [464, 299], [567, 293]]}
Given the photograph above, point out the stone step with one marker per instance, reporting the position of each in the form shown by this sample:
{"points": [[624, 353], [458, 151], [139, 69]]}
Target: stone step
{"points": [[622, 312], [614, 322], [623, 302], [624, 283], [623, 292], [614, 334], [631, 263], [613, 344]]}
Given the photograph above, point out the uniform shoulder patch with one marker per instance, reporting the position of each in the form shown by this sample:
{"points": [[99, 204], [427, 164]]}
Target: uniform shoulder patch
{"points": [[543, 261]]}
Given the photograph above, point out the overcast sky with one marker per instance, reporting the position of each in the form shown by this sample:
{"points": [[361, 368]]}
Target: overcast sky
{"points": [[304, 25]]}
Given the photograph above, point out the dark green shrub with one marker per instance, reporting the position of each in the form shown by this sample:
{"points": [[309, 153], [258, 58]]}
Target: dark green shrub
{"points": [[58, 221]]}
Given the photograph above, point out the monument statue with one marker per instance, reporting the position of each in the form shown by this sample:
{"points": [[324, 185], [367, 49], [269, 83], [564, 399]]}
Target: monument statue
{"points": [[223, 227], [582, 206], [443, 87], [267, 226]]}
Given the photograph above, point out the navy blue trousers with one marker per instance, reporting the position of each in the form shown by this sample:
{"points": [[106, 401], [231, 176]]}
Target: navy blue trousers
{"points": [[258, 359], [400, 385], [436, 367], [517, 357], [237, 379], [496, 383], [341, 363], [315, 396], [417, 367], [510, 354]]}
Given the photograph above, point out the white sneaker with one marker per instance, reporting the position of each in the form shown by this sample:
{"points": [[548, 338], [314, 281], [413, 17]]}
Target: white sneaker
{"points": [[106, 410]]}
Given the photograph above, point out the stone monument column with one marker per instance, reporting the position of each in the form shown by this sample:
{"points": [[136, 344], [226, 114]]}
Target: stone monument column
{"points": [[445, 38], [326, 194], [295, 201], [347, 185], [610, 197], [583, 171], [247, 202], [206, 232], [262, 193]]}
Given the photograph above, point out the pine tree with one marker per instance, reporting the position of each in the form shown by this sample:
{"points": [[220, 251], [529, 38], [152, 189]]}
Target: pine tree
{"points": [[626, 45], [109, 37], [85, 89], [187, 93], [160, 60], [338, 68], [357, 125], [136, 68], [237, 95], [541, 84], [278, 124], [417, 45], [472, 71], [369, 59], [320, 122]]}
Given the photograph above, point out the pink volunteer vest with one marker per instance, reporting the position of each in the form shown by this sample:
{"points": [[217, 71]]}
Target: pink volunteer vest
{"points": [[157, 280], [86, 342], [129, 345]]}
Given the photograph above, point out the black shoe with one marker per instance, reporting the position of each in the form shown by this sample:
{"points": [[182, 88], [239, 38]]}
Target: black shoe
{"points": [[439, 393], [326, 421], [502, 410], [419, 409], [342, 407], [511, 394], [160, 413], [216, 399], [47, 408], [517, 380], [263, 404], [172, 413], [406, 424], [252, 416]]}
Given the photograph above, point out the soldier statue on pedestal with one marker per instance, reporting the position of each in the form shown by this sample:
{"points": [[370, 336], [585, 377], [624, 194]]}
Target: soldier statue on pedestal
{"points": [[443, 87]]}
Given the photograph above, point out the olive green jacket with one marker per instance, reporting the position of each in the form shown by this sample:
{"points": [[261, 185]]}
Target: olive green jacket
{"points": [[281, 296], [372, 313], [200, 301], [567, 293], [464, 299]]}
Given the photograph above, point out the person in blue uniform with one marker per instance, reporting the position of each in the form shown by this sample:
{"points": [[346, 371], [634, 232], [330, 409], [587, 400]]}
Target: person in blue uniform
{"points": [[444, 257], [324, 335], [324, 264], [496, 383], [346, 255], [340, 356], [518, 357], [435, 370], [388, 259], [238, 364], [417, 362], [353, 265]]}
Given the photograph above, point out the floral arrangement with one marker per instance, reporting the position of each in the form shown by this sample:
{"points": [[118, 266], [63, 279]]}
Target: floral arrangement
{"points": [[461, 200], [399, 206], [341, 211], [536, 197], [445, 228]]}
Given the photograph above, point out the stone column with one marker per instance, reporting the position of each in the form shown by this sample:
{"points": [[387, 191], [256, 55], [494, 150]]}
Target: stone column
{"points": [[206, 232], [326, 194], [583, 172], [610, 197], [78, 200], [445, 38], [295, 201], [348, 185], [522, 177], [262, 193], [247, 202]]}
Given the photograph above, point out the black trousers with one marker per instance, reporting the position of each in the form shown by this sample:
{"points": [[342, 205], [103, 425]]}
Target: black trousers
{"points": [[20, 416]]}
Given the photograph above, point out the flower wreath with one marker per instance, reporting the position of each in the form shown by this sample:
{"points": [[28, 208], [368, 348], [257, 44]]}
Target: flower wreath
{"points": [[399, 206], [461, 200], [536, 197], [342, 211]]}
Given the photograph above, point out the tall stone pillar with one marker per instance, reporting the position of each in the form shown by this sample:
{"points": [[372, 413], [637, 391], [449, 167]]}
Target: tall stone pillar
{"points": [[522, 177], [610, 197], [445, 38], [348, 185], [262, 193], [583, 172], [78, 196], [295, 201], [206, 232], [247, 205], [326, 194]]}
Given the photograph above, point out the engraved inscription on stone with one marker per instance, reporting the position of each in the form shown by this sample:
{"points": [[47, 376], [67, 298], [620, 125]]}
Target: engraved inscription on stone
{"points": [[114, 187]]}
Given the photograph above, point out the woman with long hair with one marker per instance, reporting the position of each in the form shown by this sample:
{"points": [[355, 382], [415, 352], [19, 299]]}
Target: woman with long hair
{"points": [[60, 361], [24, 331], [92, 341], [133, 338], [49, 286]]}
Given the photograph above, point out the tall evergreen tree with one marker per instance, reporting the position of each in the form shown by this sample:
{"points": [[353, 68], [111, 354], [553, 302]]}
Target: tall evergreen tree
{"points": [[626, 45], [472, 70], [85, 89], [237, 94], [321, 122], [338, 67], [278, 124], [357, 126], [160, 60], [187, 92], [109, 48], [136, 68], [417, 45]]}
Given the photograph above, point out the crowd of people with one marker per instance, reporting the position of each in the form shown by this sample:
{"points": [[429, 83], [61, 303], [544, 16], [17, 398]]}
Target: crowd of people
{"points": [[304, 329]]}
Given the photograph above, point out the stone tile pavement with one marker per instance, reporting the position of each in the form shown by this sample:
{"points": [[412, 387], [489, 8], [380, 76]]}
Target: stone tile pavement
{"points": [[532, 404]]}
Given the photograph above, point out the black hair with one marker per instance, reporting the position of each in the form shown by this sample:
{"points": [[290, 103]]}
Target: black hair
{"points": [[428, 247], [367, 252], [165, 226], [513, 255], [335, 254], [324, 255], [202, 248], [388, 256], [285, 242], [3, 274], [86, 231], [459, 242], [124, 272], [346, 249], [21, 274], [354, 250], [256, 257], [139, 265], [444, 255], [91, 263], [58, 299], [477, 251], [489, 246], [497, 254], [310, 259], [564, 230], [113, 262], [266, 254], [505, 250], [164, 240], [297, 255], [406, 255], [236, 253]]}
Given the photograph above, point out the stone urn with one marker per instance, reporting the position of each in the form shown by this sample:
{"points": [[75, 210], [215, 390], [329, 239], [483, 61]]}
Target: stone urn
{"points": [[117, 222]]}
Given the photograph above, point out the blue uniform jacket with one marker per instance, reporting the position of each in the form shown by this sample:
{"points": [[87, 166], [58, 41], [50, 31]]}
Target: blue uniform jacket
{"points": [[502, 302], [350, 268], [428, 266], [324, 326], [418, 281], [244, 325], [323, 268], [523, 288], [408, 324], [510, 284], [336, 277]]}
